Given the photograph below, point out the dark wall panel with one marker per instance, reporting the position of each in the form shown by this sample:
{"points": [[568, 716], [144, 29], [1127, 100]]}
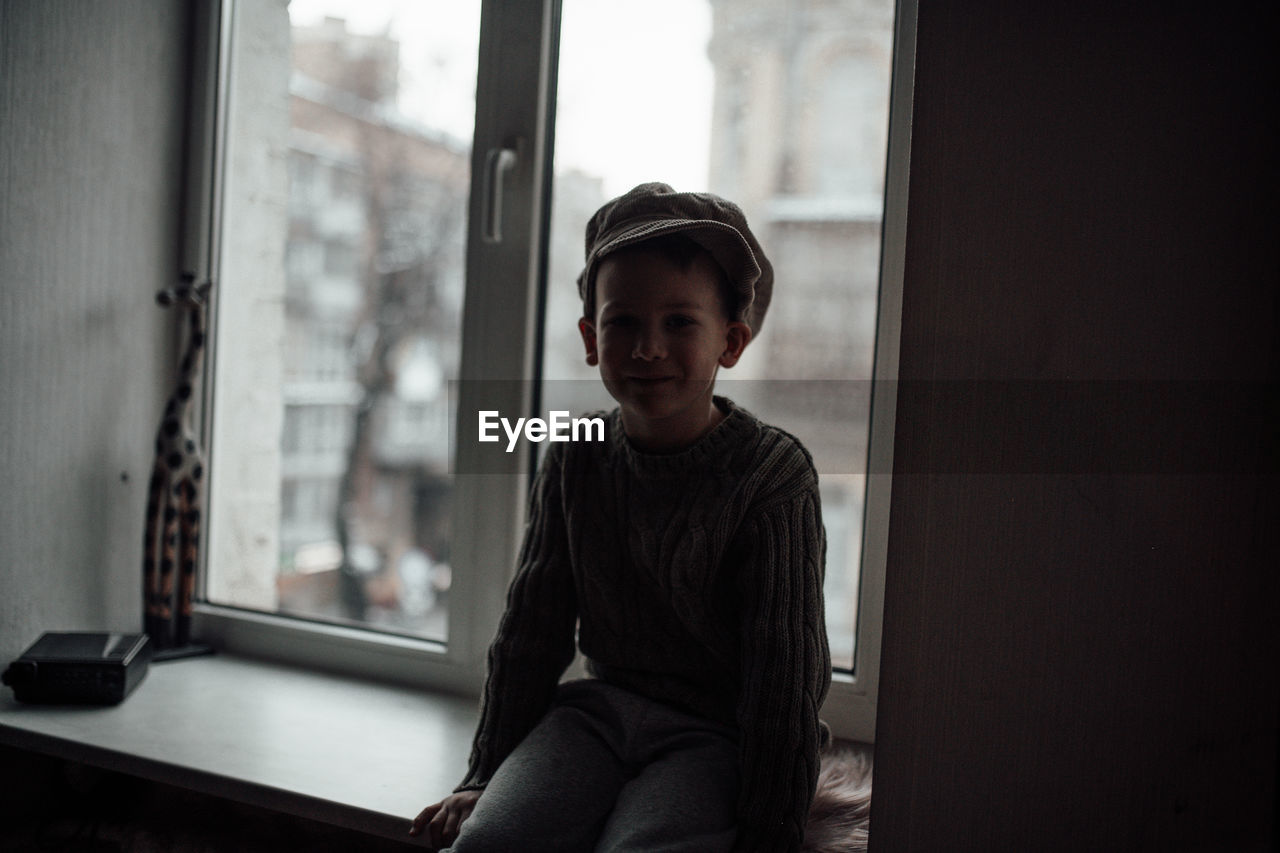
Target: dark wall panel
{"points": [[1080, 644]]}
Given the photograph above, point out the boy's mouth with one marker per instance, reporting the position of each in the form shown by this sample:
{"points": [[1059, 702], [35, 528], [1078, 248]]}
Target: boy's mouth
{"points": [[650, 380]]}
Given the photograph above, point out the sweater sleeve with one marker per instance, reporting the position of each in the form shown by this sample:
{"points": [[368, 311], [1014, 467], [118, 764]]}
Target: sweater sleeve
{"points": [[786, 667], [535, 640]]}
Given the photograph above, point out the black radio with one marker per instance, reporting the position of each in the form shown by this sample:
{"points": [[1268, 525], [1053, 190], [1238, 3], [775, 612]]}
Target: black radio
{"points": [[79, 668]]}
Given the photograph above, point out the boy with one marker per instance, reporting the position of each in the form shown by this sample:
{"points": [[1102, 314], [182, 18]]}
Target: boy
{"points": [[687, 550]]}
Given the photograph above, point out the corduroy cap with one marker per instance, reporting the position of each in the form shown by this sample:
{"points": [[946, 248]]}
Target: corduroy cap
{"points": [[719, 226]]}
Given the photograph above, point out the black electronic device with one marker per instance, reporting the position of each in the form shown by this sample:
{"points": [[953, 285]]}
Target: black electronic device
{"points": [[80, 668]]}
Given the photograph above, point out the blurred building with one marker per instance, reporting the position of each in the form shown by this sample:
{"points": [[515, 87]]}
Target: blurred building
{"points": [[799, 134], [799, 137], [375, 277]]}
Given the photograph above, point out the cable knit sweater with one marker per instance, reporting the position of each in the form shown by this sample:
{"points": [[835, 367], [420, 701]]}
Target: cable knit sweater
{"points": [[693, 578]]}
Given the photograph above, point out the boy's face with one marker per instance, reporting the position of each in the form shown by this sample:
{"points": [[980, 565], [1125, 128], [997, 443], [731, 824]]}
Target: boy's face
{"points": [[658, 336]]}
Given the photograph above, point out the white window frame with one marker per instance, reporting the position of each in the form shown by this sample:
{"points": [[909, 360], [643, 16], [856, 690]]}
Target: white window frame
{"points": [[515, 111], [850, 708]]}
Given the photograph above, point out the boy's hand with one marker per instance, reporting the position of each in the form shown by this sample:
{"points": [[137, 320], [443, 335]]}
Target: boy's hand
{"points": [[442, 820]]}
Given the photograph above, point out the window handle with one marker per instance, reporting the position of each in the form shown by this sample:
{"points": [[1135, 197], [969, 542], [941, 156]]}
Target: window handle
{"points": [[498, 161]]}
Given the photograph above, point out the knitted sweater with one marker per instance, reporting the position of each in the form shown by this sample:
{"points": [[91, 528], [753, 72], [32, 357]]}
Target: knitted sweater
{"points": [[693, 578]]}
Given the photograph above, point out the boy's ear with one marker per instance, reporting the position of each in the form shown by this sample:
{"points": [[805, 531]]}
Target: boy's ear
{"points": [[588, 331], [737, 336]]}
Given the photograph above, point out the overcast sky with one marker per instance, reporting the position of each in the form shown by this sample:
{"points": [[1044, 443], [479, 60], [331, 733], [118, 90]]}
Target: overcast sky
{"points": [[634, 89]]}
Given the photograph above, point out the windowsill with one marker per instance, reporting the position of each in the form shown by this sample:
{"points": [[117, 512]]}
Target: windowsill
{"points": [[324, 747]]}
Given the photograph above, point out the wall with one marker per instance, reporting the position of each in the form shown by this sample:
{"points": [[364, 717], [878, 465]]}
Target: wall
{"points": [[1079, 647], [91, 117]]}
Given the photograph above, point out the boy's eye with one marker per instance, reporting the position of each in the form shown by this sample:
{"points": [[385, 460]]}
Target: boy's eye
{"points": [[626, 321]]}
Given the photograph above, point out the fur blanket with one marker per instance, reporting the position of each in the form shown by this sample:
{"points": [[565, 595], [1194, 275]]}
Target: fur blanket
{"points": [[841, 812]]}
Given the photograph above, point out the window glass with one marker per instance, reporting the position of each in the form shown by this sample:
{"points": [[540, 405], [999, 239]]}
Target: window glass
{"points": [[340, 310], [783, 108]]}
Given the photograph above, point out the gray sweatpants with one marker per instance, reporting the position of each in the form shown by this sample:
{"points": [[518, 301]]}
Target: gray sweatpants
{"points": [[609, 770]]}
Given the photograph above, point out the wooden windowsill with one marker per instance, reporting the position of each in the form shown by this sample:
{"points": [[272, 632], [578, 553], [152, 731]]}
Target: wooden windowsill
{"points": [[356, 754]]}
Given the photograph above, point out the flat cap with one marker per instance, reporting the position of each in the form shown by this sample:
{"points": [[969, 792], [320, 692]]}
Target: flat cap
{"points": [[718, 225]]}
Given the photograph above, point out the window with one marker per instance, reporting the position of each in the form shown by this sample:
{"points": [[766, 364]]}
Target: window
{"points": [[383, 265]]}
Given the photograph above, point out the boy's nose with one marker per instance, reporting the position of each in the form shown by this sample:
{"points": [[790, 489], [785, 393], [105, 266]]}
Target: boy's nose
{"points": [[649, 346]]}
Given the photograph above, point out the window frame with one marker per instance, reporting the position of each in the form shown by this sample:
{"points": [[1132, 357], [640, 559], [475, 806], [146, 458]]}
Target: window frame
{"points": [[850, 708], [501, 339]]}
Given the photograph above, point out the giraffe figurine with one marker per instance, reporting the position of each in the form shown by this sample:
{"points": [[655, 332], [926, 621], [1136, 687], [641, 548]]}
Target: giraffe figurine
{"points": [[172, 539]]}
